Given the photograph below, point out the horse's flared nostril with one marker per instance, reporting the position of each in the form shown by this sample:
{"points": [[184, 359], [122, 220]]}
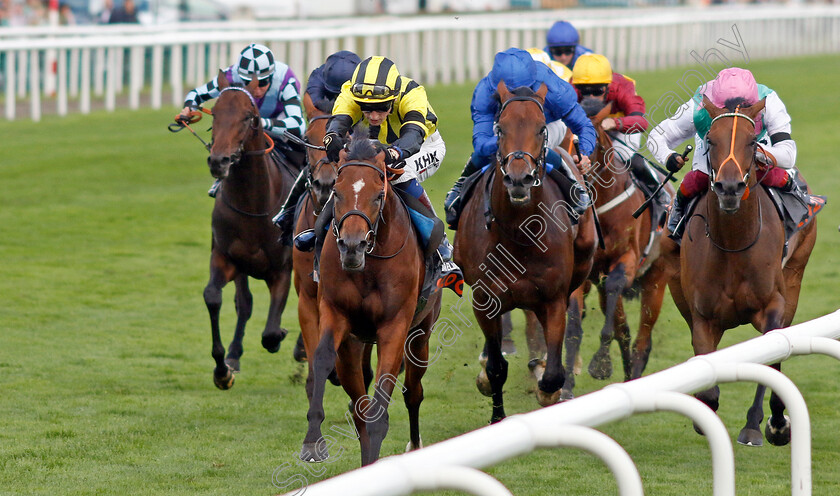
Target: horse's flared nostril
{"points": [[507, 181]]}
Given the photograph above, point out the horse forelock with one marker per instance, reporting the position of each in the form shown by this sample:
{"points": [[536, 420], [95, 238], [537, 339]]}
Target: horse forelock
{"points": [[360, 146], [736, 102]]}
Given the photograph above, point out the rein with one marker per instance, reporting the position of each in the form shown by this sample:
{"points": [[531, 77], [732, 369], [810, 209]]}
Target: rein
{"points": [[373, 226]]}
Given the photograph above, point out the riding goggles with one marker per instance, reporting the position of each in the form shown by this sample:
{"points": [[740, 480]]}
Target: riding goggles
{"points": [[365, 90], [592, 89], [562, 50], [375, 107], [264, 82]]}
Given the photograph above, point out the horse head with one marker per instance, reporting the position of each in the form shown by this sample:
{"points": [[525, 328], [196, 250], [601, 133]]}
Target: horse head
{"points": [[321, 171], [359, 199], [602, 155], [731, 143], [236, 120], [522, 140]]}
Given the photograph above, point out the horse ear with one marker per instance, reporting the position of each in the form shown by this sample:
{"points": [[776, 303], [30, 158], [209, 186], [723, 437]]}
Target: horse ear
{"points": [[503, 92], [542, 91], [711, 108], [308, 106], [753, 110], [221, 80], [602, 114]]}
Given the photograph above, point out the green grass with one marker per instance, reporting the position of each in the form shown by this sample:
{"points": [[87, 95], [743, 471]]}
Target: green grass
{"points": [[105, 345]]}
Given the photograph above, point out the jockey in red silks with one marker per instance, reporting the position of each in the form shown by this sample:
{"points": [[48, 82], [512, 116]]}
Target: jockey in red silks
{"points": [[775, 153]]}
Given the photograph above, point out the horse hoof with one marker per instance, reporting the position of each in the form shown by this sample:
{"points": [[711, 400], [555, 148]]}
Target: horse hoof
{"points": [[226, 381], [271, 340], [777, 436], [482, 382], [310, 453], [566, 395], [750, 437], [537, 368], [548, 399], [411, 447], [600, 367], [299, 353], [233, 364]]}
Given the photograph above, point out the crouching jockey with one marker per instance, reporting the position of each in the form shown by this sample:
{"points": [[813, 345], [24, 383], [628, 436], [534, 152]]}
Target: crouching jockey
{"points": [[775, 153], [516, 68], [399, 116], [323, 86], [277, 96], [597, 85]]}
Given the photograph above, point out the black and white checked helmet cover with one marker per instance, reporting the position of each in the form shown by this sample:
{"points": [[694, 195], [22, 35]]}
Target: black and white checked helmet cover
{"points": [[256, 60]]}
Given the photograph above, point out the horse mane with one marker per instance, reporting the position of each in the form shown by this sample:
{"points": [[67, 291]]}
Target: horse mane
{"points": [[360, 146], [324, 105], [735, 102]]}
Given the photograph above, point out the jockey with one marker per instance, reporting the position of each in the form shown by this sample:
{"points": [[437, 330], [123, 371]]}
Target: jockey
{"points": [[561, 70], [731, 87], [399, 116], [516, 68], [562, 44], [323, 86], [277, 97], [597, 85]]}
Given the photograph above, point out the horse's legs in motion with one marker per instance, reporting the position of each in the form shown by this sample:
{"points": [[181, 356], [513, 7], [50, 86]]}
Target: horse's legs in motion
{"points": [[750, 435], [391, 340], [777, 430], [553, 318], [221, 271], [601, 367], [495, 369], [653, 292], [508, 346], [273, 333], [416, 362], [574, 333], [333, 330], [705, 338], [367, 369], [622, 335], [308, 316], [535, 337], [349, 370], [244, 303]]}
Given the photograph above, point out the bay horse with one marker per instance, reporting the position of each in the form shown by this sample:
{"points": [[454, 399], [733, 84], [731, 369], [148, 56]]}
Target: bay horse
{"points": [[619, 266], [537, 256], [244, 240], [732, 267], [371, 273]]}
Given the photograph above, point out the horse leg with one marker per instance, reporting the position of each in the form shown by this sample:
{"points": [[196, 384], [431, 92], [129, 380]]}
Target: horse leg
{"points": [[553, 318], [574, 334], [221, 271], [777, 430], [750, 435], [308, 316], [622, 336], [508, 346], [414, 371], [535, 338], [494, 371], [705, 338], [273, 334], [348, 368], [334, 329], [367, 369], [244, 303], [389, 352], [653, 292], [600, 367]]}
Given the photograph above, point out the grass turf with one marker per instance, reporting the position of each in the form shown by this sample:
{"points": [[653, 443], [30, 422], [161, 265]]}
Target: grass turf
{"points": [[106, 350]]}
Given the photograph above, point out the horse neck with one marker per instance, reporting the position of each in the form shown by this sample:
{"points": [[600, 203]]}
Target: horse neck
{"points": [[735, 229], [395, 220], [608, 180]]}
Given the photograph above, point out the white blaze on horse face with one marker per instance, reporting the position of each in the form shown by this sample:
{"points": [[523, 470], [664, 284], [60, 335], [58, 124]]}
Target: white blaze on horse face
{"points": [[357, 187]]}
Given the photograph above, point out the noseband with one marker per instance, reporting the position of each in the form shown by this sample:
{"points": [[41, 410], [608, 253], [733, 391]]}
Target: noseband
{"points": [[373, 226], [253, 125], [538, 162]]}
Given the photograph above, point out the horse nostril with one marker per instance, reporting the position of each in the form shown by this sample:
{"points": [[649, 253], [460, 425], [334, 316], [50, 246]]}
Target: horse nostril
{"points": [[507, 181], [528, 180], [742, 186]]}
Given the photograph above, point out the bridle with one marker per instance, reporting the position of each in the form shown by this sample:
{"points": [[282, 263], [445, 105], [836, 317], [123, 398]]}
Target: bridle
{"points": [[314, 168], [253, 124], [373, 226], [538, 163], [731, 157]]}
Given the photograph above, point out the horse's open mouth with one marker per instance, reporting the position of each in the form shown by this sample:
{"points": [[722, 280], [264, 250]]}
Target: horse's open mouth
{"points": [[353, 265], [520, 200]]}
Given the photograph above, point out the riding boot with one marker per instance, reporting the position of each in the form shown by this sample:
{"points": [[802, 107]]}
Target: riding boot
{"points": [[452, 202], [450, 274], [214, 189], [286, 217], [649, 178], [675, 218], [575, 193]]}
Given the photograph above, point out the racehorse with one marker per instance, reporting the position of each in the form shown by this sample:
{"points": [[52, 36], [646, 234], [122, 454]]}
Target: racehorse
{"points": [[630, 258], [245, 241], [732, 267], [371, 273], [535, 261]]}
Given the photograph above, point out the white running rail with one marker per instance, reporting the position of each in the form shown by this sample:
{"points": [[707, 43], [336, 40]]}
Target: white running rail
{"points": [[570, 423], [126, 66]]}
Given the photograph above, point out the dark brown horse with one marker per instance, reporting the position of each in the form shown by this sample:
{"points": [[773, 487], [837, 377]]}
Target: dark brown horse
{"points": [[732, 270], [245, 241], [523, 253], [371, 273], [620, 265]]}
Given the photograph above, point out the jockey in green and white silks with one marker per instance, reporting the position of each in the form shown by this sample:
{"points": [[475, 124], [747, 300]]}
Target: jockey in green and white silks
{"points": [[773, 129]]}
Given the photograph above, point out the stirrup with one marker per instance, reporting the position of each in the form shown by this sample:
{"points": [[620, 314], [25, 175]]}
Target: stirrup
{"points": [[305, 240]]}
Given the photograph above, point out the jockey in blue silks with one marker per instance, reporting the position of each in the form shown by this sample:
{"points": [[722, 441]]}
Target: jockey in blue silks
{"points": [[517, 68], [562, 44]]}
